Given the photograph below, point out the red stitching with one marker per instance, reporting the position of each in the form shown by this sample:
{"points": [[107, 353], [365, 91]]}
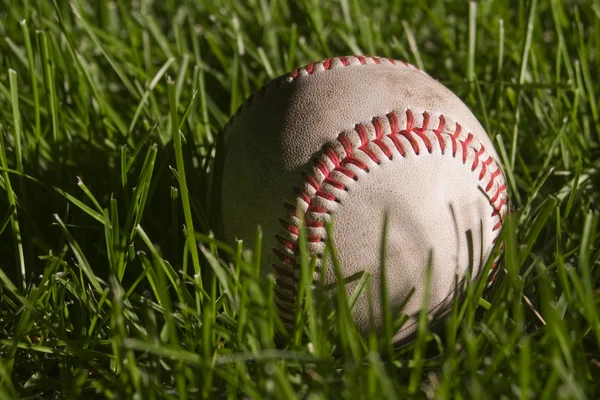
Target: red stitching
{"points": [[355, 161], [314, 224], [502, 203], [285, 258], [335, 184], [478, 154], [484, 166], [500, 189], [438, 133], [328, 64], [413, 143], [386, 150], [343, 139], [290, 208], [322, 167], [410, 121], [454, 137], [378, 136], [345, 61], [349, 158], [407, 132], [421, 133], [314, 239], [398, 145], [289, 227], [316, 209], [495, 174], [362, 134], [288, 273], [287, 286], [325, 195], [378, 128], [288, 244], [305, 197], [311, 180], [464, 145], [365, 149], [346, 172], [393, 120], [332, 157]]}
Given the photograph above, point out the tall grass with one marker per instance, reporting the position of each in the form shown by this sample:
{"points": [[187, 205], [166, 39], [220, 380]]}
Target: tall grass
{"points": [[113, 279]]}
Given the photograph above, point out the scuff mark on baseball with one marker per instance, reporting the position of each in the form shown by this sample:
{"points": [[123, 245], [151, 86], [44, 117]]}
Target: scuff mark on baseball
{"points": [[349, 139]]}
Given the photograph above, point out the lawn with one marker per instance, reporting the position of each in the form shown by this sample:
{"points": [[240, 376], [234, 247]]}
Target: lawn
{"points": [[115, 281]]}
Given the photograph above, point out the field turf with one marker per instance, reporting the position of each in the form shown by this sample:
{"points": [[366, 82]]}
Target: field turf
{"points": [[113, 280]]}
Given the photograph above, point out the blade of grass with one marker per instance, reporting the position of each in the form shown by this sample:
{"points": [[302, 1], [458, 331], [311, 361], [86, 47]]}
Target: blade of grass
{"points": [[14, 221], [523, 73], [34, 78], [185, 200]]}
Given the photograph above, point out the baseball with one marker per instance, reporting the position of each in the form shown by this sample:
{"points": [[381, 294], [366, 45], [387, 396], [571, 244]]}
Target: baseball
{"points": [[350, 140]]}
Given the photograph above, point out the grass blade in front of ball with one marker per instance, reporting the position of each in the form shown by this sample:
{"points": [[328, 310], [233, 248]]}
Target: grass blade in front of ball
{"points": [[349, 336], [530, 80], [422, 331], [176, 135], [386, 312], [304, 296]]}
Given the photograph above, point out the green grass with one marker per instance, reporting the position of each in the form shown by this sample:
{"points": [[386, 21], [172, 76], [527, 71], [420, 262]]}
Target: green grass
{"points": [[112, 283]]}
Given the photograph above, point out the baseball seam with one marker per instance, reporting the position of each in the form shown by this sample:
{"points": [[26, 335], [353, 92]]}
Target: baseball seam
{"points": [[349, 157], [324, 65]]}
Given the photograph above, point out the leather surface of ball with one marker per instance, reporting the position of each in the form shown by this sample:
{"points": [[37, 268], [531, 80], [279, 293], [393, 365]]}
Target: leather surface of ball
{"points": [[350, 140]]}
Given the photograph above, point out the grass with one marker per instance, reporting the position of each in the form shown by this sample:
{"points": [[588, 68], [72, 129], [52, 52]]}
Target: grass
{"points": [[113, 281]]}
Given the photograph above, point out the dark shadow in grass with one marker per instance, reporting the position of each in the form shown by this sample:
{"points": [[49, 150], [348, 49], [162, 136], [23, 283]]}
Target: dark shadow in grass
{"points": [[100, 171]]}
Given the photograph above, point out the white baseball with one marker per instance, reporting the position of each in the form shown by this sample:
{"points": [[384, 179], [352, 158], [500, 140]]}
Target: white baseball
{"points": [[350, 139]]}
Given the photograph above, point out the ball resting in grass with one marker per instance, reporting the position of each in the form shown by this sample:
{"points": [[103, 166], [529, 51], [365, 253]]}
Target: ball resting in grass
{"points": [[349, 140]]}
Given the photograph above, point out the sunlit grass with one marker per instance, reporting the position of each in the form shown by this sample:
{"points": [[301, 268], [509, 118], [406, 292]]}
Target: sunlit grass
{"points": [[114, 281]]}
